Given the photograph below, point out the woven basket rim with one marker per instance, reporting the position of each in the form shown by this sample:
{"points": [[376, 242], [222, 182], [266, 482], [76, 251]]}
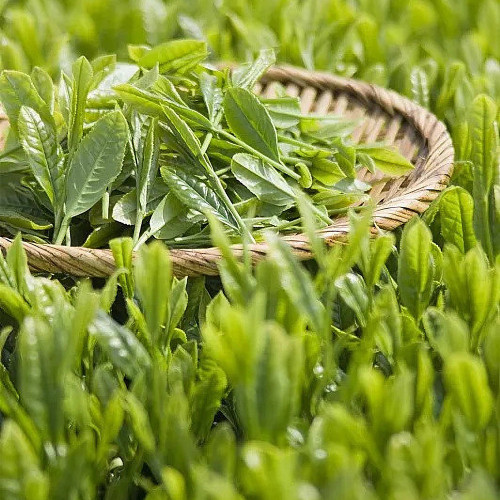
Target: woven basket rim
{"points": [[436, 169]]}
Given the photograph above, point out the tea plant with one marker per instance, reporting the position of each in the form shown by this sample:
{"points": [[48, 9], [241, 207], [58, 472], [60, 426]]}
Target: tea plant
{"points": [[291, 383], [371, 371]]}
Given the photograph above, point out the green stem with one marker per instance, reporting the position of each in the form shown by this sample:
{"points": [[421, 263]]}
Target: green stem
{"points": [[229, 205], [105, 205], [297, 142], [145, 237], [68, 236], [223, 171], [219, 188], [137, 227], [57, 223], [294, 160], [62, 231], [258, 154]]}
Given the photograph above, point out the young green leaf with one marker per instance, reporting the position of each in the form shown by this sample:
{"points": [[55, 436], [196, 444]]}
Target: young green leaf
{"points": [[16, 91], [44, 86], [122, 254], [39, 141], [388, 160], [467, 382], [176, 56], [416, 268], [197, 195], [96, 163], [153, 281], [264, 181], [456, 209], [120, 344], [80, 87], [247, 75], [484, 155], [212, 95], [249, 120], [147, 168]]}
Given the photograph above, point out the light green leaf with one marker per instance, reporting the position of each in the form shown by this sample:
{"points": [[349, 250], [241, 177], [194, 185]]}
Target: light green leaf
{"points": [[44, 86], [40, 377], [120, 344], [247, 75], [153, 282], [17, 90], [21, 476], [12, 302], [467, 382], [125, 209], [212, 95], [352, 289], [264, 181], [96, 163], [388, 160], [484, 155], [284, 111], [80, 87], [171, 218], [456, 208], [139, 420], [249, 120], [176, 56], [196, 194], [39, 141], [416, 268], [419, 86], [147, 163], [297, 283], [122, 254], [326, 171]]}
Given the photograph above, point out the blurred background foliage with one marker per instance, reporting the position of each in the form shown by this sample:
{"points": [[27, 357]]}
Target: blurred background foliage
{"points": [[371, 373]]}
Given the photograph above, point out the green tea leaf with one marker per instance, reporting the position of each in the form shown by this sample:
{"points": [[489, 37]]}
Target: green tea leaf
{"points": [[484, 156], [297, 283], [456, 208], [153, 282], [389, 161], [212, 95], [247, 75], [176, 56], [264, 181], [40, 377], [120, 344], [197, 195], [96, 163], [39, 141], [249, 120], [416, 269], [44, 86], [80, 87], [16, 91], [467, 382], [147, 156], [122, 254], [21, 475], [284, 111]]}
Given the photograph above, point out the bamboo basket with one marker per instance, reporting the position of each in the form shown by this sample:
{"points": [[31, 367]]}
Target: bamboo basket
{"points": [[383, 115]]}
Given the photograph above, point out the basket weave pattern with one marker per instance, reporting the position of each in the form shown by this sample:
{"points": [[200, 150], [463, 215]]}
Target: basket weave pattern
{"points": [[383, 115]]}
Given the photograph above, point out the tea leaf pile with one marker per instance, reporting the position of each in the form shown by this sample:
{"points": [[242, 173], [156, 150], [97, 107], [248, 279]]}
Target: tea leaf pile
{"points": [[370, 372], [168, 139]]}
